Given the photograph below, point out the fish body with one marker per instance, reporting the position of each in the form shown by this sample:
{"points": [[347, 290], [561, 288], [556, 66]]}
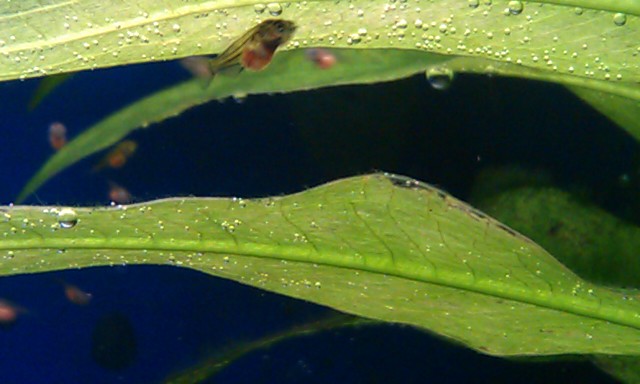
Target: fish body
{"points": [[119, 194], [255, 49], [9, 313], [118, 156], [74, 294], [57, 135], [322, 58]]}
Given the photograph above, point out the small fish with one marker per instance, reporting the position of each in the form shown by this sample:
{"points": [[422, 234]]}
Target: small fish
{"points": [[57, 135], [118, 156], [9, 313], [74, 294], [322, 58], [255, 49], [118, 194]]}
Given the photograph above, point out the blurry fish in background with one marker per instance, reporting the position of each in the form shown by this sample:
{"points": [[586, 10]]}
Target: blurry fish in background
{"points": [[74, 294], [255, 49], [118, 156], [119, 194], [9, 313], [57, 135], [113, 342], [322, 58]]}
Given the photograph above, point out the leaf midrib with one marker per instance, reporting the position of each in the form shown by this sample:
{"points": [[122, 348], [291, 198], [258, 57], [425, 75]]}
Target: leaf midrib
{"points": [[630, 7], [452, 279], [126, 24]]}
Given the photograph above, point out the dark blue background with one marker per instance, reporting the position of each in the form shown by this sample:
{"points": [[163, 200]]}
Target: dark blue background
{"points": [[268, 145]]}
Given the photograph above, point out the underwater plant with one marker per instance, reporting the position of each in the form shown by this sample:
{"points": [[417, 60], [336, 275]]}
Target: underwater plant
{"points": [[379, 246]]}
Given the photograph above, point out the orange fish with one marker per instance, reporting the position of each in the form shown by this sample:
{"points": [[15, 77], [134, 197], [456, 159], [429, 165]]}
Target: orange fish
{"points": [[9, 313], [255, 49], [74, 294], [323, 58], [118, 156], [57, 135], [118, 194]]}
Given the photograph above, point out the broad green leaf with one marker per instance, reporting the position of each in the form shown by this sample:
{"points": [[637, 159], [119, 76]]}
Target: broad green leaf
{"points": [[379, 246], [593, 243], [486, 38], [290, 71], [598, 39]]}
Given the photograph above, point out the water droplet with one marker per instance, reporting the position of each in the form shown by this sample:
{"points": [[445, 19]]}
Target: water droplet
{"points": [[515, 7], [620, 19], [176, 27], [439, 78], [473, 3], [402, 23], [67, 218], [275, 9], [578, 11], [259, 8]]}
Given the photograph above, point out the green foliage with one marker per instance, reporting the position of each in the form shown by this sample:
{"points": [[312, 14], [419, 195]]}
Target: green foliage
{"points": [[71, 36], [291, 71], [377, 246]]}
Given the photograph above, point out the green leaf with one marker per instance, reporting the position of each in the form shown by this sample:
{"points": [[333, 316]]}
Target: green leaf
{"points": [[290, 71], [550, 41], [211, 366], [378, 246], [624, 111], [624, 368], [46, 86], [593, 243], [64, 36], [620, 102]]}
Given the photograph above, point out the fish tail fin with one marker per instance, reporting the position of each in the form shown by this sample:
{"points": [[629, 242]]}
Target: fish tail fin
{"points": [[201, 68]]}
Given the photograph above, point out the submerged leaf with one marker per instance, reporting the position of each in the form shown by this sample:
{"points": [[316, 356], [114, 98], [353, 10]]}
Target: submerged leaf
{"points": [[560, 36], [211, 366], [624, 111], [378, 246], [290, 71], [46, 86]]}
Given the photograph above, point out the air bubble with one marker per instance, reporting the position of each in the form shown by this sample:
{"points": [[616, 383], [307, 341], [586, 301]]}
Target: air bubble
{"points": [[67, 218], [473, 3], [515, 7], [259, 8], [275, 9], [620, 19], [439, 78]]}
